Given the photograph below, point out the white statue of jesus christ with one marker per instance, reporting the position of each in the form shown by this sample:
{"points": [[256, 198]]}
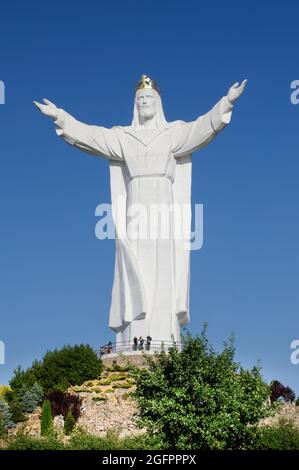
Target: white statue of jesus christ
{"points": [[150, 163]]}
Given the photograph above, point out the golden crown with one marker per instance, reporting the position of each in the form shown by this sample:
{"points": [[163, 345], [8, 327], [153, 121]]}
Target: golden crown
{"points": [[147, 82]]}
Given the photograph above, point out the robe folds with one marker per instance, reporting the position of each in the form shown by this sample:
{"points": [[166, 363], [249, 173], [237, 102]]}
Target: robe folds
{"points": [[150, 294]]}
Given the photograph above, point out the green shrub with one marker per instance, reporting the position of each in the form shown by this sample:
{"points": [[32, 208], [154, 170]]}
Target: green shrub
{"points": [[104, 382], [46, 419], [81, 440], [113, 378], [99, 398], [282, 436], [23, 442], [71, 365], [122, 385], [117, 368], [297, 401], [69, 423], [199, 399]]}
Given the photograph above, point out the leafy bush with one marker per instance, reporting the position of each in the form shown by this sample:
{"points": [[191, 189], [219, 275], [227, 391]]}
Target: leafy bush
{"points": [[62, 403], [69, 423], [23, 442], [282, 436], [297, 401], [46, 419], [82, 440], [278, 390], [199, 399], [71, 365]]}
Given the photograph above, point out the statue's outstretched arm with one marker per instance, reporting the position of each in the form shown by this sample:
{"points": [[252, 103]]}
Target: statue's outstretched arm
{"points": [[94, 140], [191, 136]]}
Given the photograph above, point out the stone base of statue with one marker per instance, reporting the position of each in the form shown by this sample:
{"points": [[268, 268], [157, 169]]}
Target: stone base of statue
{"points": [[126, 353]]}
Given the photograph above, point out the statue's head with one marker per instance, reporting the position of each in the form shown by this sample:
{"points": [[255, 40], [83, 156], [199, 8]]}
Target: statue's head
{"points": [[148, 104]]}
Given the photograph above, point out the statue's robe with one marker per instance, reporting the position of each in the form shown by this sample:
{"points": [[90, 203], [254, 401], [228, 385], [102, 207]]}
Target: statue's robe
{"points": [[150, 294]]}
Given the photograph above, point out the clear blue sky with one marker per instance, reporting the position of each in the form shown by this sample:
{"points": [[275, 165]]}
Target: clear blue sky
{"points": [[56, 276]]}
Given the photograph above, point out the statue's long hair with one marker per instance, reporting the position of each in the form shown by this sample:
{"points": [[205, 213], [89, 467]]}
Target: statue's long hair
{"points": [[161, 122]]}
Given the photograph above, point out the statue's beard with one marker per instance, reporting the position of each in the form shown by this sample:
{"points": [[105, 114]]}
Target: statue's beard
{"points": [[146, 115]]}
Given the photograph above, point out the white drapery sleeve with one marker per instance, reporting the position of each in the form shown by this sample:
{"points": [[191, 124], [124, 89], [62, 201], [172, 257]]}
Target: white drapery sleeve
{"points": [[191, 136], [94, 140]]}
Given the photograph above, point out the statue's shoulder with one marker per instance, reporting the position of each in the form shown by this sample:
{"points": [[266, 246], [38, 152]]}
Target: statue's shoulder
{"points": [[177, 123], [121, 128]]}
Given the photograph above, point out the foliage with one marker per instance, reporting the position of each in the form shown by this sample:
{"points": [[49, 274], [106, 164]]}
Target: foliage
{"points": [[62, 403], [278, 390], [69, 423], [2, 428], [26, 377], [282, 436], [17, 414], [71, 365], [6, 418], [297, 401], [3, 391], [30, 398], [118, 368], [122, 385], [199, 399], [23, 442], [82, 440], [46, 419]]}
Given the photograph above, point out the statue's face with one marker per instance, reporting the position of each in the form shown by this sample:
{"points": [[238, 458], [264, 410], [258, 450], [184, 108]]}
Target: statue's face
{"points": [[146, 103]]}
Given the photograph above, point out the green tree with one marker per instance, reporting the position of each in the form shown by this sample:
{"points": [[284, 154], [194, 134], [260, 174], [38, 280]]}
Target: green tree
{"points": [[17, 414], [46, 419], [199, 399], [26, 377], [30, 398], [6, 415], [69, 423], [71, 365]]}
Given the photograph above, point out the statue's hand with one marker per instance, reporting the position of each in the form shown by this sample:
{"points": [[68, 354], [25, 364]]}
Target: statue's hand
{"points": [[235, 91], [48, 109]]}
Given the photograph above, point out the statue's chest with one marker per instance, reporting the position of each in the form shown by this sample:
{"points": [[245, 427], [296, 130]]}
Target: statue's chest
{"points": [[147, 159]]}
